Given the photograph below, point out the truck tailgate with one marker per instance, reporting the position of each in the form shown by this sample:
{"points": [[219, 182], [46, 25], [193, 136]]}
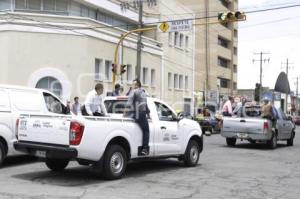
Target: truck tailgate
{"points": [[51, 130], [243, 125]]}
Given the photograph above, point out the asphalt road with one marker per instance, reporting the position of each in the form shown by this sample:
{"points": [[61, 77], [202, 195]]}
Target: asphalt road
{"points": [[245, 171]]}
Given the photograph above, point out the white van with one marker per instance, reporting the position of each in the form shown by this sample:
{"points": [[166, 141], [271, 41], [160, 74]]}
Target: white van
{"points": [[16, 100]]}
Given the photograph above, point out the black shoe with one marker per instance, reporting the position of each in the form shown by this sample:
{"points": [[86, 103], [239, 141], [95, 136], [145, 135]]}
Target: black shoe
{"points": [[145, 151]]}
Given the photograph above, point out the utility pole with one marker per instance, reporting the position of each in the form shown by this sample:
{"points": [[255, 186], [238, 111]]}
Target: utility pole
{"points": [[261, 60], [297, 96], [287, 67], [138, 5], [139, 42]]}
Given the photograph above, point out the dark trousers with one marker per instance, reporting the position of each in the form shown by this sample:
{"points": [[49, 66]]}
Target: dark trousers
{"points": [[141, 120]]}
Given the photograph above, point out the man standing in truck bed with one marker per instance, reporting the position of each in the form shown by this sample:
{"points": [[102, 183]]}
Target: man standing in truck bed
{"points": [[137, 101]]}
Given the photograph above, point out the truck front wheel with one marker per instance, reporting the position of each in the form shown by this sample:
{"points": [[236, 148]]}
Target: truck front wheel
{"points": [[115, 162], [56, 164], [192, 154], [2, 153], [290, 142]]}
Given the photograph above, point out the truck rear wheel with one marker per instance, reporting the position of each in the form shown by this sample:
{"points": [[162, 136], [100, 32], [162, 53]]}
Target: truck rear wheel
{"points": [[230, 141], [192, 154], [290, 142], [115, 162], [56, 164], [2, 153]]}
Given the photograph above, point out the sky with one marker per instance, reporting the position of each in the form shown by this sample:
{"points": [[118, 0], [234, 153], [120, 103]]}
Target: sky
{"points": [[274, 32]]}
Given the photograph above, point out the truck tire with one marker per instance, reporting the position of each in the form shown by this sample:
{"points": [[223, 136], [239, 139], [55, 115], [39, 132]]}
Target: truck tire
{"points": [[290, 142], [231, 141], [272, 144], [56, 164], [192, 154], [114, 163], [2, 153]]}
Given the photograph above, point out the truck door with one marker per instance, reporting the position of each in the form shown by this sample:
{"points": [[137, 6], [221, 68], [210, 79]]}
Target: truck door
{"points": [[168, 137], [284, 125]]}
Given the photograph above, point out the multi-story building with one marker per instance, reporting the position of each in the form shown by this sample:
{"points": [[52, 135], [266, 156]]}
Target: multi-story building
{"points": [[216, 47], [67, 46]]}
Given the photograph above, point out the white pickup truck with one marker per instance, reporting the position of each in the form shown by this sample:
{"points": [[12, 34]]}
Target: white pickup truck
{"points": [[108, 143]]}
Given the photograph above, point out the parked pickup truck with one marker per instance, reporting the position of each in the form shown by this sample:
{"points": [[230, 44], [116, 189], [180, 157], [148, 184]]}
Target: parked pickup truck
{"points": [[248, 125], [108, 143]]}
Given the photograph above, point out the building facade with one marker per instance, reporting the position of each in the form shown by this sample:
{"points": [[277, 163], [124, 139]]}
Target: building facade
{"points": [[68, 46], [216, 48]]}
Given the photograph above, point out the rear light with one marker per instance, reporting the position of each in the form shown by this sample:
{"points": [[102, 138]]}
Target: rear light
{"points": [[17, 127], [76, 132], [266, 125]]}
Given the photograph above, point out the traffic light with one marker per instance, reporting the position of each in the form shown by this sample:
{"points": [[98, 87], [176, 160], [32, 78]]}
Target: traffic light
{"points": [[114, 68], [225, 17], [257, 92], [123, 68]]}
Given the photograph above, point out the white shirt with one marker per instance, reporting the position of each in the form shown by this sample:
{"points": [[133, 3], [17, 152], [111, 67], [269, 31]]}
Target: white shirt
{"points": [[76, 108], [94, 103]]}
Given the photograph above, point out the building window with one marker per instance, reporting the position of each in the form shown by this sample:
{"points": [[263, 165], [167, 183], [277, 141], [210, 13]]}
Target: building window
{"points": [[223, 62], [171, 39], [181, 40], [169, 80], [153, 77], [99, 69], [129, 72], [20, 4], [176, 82], [108, 70], [176, 39], [51, 84], [42, 5], [223, 42], [235, 68], [145, 76], [187, 42], [235, 50], [84, 11], [224, 83], [61, 5], [34, 4], [49, 5], [180, 81], [186, 82]]}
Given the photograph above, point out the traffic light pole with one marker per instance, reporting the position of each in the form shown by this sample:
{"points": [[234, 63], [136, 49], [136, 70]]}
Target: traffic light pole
{"points": [[116, 61]]}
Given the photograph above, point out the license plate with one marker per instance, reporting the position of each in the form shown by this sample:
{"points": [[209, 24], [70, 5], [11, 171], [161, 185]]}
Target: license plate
{"points": [[242, 135], [41, 154]]}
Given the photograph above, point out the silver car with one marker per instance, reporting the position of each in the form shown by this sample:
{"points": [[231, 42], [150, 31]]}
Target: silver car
{"points": [[249, 125]]}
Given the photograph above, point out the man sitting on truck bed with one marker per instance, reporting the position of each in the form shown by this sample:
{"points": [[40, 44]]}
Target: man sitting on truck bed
{"points": [[94, 105], [137, 101]]}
